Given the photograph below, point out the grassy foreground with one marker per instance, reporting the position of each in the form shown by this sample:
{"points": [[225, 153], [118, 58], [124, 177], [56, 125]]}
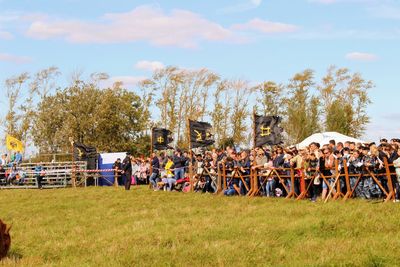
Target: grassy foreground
{"points": [[111, 227]]}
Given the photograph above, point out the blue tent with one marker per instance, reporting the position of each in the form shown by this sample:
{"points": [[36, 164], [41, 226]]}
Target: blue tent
{"points": [[106, 160]]}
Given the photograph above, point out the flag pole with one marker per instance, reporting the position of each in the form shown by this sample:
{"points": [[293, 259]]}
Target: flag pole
{"points": [[151, 141], [253, 172], [151, 153], [73, 178], [190, 159], [254, 128]]}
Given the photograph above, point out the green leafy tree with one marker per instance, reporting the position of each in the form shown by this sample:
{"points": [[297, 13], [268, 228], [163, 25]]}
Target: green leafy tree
{"points": [[345, 98], [109, 119], [241, 94], [270, 96], [301, 108]]}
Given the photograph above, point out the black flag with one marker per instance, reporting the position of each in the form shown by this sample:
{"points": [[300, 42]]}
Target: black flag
{"points": [[200, 134], [85, 153], [267, 130], [161, 138]]}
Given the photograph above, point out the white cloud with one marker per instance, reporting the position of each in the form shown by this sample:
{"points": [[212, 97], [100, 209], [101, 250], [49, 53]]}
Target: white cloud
{"points": [[266, 26], [149, 65], [256, 2], [359, 56], [144, 23], [14, 59]]}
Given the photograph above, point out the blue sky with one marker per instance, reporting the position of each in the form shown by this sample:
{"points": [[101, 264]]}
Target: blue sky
{"points": [[252, 39]]}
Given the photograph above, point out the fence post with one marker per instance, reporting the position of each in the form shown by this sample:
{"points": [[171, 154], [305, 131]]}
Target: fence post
{"points": [[292, 192], [391, 194], [346, 175], [116, 177], [254, 173], [338, 192], [224, 177]]}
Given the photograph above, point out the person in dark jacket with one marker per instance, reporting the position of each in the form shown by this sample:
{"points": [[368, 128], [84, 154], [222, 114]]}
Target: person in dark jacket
{"points": [[155, 170], [127, 171], [117, 167], [39, 175], [179, 163]]}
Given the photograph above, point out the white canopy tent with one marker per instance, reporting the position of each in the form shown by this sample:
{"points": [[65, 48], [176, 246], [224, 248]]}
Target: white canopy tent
{"points": [[324, 138]]}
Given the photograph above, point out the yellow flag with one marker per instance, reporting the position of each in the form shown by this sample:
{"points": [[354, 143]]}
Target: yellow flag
{"points": [[14, 144]]}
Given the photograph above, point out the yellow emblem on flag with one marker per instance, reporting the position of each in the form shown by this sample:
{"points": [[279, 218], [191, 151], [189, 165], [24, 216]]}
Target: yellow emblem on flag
{"points": [[13, 143], [265, 131]]}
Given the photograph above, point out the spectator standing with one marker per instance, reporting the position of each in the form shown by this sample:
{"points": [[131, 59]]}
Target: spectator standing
{"points": [[127, 171], [39, 174], [117, 166], [155, 170]]}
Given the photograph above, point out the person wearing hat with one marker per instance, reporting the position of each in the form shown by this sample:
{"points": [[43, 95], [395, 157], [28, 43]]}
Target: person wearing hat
{"points": [[127, 171], [117, 167], [370, 163]]}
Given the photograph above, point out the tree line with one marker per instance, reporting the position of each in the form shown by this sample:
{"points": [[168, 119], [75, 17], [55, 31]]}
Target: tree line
{"points": [[113, 118]]}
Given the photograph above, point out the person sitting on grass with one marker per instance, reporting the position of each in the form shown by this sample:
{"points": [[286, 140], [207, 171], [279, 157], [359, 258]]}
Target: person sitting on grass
{"points": [[232, 187], [168, 181]]}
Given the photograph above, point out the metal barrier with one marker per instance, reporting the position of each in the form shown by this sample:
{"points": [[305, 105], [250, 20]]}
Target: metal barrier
{"points": [[55, 175]]}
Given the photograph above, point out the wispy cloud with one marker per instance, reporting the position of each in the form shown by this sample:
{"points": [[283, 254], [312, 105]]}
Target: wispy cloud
{"points": [[14, 59], [6, 19], [359, 56], [242, 6], [149, 65], [378, 129], [145, 23], [386, 12], [328, 2], [394, 117], [5, 35], [265, 26]]}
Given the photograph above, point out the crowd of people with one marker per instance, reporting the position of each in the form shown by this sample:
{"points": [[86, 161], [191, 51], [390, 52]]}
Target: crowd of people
{"points": [[9, 171], [315, 166], [8, 160]]}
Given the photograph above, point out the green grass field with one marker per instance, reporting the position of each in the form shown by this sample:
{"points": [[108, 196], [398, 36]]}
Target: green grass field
{"points": [[112, 227]]}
